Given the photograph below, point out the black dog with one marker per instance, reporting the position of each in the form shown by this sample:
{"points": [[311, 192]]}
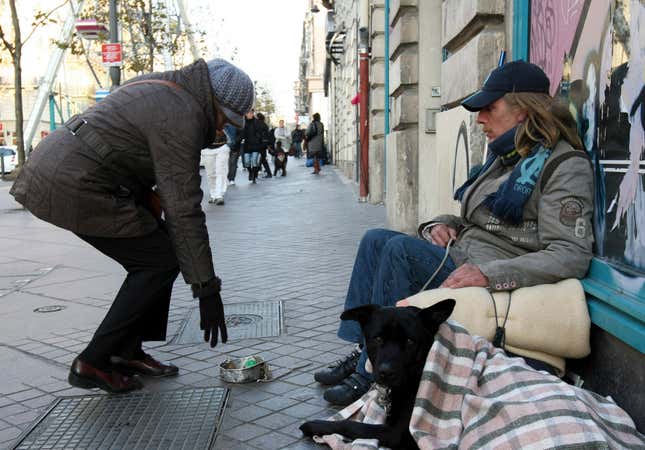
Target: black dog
{"points": [[398, 341], [279, 160]]}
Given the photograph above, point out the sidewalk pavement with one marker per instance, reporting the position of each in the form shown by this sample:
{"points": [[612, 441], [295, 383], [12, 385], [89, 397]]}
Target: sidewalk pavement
{"points": [[290, 238]]}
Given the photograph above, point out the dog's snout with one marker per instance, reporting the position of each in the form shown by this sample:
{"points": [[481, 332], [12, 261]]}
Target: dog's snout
{"points": [[386, 371]]}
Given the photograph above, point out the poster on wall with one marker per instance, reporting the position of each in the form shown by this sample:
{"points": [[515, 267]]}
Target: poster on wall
{"points": [[594, 54]]}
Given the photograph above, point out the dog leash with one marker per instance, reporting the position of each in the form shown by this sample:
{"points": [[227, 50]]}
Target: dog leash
{"points": [[441, 264], [500, 332]]}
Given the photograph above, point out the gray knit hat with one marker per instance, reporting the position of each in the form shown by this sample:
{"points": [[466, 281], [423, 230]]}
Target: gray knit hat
{"points": [[233, 90]]}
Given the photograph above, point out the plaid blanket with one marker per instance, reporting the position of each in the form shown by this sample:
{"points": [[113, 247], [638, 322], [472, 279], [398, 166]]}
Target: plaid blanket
{"points": [[472, 395]]}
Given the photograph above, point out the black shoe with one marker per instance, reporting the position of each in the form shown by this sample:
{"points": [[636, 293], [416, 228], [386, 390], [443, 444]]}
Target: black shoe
{"points": [[339, 370], [351, 389]]}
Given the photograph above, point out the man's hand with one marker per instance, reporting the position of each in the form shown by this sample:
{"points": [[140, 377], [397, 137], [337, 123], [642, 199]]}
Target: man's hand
{"points": [[441, 234], [467, 275], [211, 318]]}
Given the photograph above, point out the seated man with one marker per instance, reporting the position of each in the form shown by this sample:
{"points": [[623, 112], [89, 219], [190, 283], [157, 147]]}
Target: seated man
{"points": [[525, 217]]}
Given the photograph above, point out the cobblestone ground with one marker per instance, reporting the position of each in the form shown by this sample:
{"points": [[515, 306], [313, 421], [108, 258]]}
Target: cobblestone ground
{"points": [[290, 239]]}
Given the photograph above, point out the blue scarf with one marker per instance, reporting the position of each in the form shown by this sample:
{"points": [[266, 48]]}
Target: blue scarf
{"points": [[508, 202]]}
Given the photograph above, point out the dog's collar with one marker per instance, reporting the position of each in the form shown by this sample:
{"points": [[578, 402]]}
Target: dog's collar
{"points": [[383, 397]]}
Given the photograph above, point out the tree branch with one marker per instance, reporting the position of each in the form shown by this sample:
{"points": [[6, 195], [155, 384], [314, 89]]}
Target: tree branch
{"points": [[42, 20], [8, 45]]}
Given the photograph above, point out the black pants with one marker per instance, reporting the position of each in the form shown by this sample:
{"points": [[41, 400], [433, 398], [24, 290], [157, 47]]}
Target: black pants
{"points": [[265, 163], [232, 164], [140, 310]]}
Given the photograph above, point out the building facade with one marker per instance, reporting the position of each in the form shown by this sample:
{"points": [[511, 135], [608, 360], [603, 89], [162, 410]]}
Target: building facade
{"points": [[309, 88]]}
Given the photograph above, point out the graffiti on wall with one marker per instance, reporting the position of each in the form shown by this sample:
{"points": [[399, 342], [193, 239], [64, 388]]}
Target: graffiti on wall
{"points": [[553, 29], [594, 54], [454, 158]]}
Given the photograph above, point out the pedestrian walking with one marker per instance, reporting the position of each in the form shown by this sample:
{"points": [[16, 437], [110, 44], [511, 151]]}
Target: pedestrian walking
{"points": [[234, 135], [95, 177], [268, 143], [215, 158], [315, 142], [253, 141], [282, 135], [297, 136]]}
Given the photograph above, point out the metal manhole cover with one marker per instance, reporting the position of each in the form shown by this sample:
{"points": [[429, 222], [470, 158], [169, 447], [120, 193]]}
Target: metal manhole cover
{"points": [[49, 309], [161, 420], [243, 320]]}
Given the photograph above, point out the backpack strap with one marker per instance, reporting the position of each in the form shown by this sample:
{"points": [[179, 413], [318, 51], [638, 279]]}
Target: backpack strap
{"points": [[553, 164]]}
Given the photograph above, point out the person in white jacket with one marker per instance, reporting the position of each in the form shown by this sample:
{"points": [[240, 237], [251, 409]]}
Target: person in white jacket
{"points": [[215, 158], [282, 135]]}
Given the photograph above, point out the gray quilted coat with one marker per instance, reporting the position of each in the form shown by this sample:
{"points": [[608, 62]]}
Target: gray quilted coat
{"points": [[155, 134]]}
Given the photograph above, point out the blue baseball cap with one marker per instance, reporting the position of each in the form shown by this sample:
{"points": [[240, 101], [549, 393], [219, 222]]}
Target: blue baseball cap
{"points": [[516, 76]]}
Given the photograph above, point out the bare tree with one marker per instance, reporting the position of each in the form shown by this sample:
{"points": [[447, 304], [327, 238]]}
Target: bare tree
{"points": [[264, 102], [14, 48], [149, 30]]}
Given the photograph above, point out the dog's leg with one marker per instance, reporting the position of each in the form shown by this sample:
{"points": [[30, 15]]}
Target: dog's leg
{"points": [[386, 435]]}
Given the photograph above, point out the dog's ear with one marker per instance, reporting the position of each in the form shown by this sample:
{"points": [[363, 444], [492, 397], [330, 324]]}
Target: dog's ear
{"points": [[361, 314], [437, 313]]}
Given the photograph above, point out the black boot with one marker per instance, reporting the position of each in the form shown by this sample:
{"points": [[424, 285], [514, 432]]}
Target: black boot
{"points": [[351, 389], [339, 370]]}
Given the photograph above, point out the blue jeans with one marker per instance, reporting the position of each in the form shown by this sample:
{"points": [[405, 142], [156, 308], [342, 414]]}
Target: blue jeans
{"points": [[251, 160], [389, 266]]}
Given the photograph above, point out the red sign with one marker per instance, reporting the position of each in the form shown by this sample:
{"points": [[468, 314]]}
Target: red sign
{"points": [[112, 54]]}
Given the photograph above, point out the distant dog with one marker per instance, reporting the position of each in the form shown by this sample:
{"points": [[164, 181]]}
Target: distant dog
{"points": [[398, 341], [279, 160]]}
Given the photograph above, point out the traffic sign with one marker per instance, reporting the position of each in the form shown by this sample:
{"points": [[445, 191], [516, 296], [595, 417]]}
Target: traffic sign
{"points": [[112, 56]]}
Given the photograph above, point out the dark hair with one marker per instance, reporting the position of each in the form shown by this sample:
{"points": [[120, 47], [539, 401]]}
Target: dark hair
{"points": [[260, 117], [317, 117]]}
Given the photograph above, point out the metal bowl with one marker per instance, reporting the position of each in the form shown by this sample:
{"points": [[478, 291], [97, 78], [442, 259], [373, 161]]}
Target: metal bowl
{"points": [[244, 370]]}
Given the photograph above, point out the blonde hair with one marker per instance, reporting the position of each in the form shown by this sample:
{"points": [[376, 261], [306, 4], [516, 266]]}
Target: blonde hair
{"points": [[547, 121]]}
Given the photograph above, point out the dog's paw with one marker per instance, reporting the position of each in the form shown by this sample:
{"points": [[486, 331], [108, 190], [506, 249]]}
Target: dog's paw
{"points": [[316, 428], [307, 429]]}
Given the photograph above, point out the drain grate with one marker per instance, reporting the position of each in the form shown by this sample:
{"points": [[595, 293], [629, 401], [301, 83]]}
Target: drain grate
{"points": [[243, 321], [160, 420]]}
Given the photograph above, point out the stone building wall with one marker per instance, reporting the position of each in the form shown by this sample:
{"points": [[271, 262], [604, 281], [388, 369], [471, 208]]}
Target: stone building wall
{"points": [[439, 52], [402, 142], [344, 86], [472, 34], [377, 102]]}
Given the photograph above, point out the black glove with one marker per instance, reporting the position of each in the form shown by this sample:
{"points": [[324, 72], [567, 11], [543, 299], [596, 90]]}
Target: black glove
{"points": [[211, 311], [211, 318]]}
